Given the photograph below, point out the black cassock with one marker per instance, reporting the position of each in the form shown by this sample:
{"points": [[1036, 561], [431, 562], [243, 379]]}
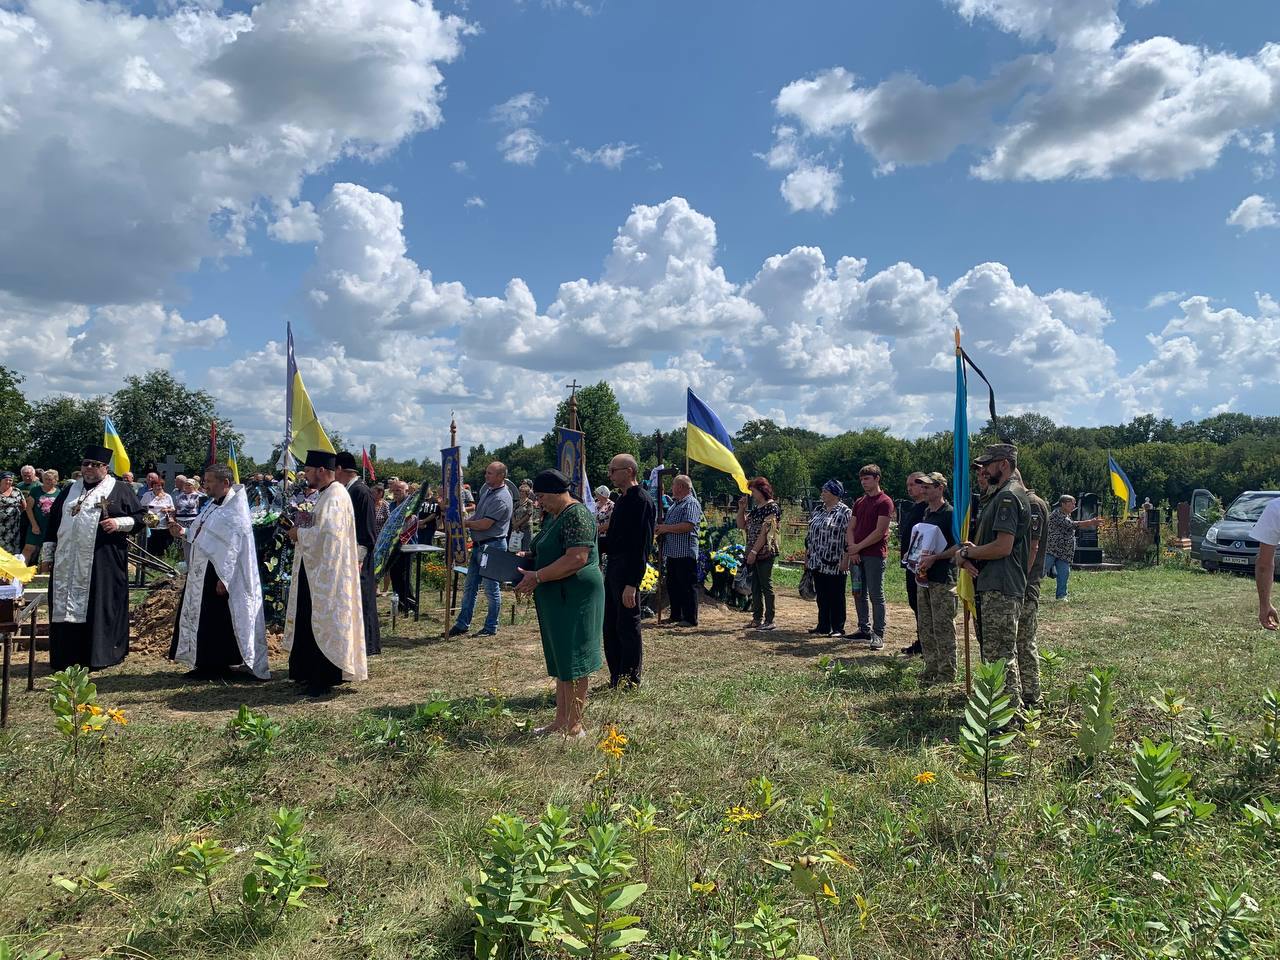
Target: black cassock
{"points": [[365, 511], [103, 639]]}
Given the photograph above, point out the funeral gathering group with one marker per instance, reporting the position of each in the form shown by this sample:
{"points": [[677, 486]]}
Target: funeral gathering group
{"points": [[583, 568]]}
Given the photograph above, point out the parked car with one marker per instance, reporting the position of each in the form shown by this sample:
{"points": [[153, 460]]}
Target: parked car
{"points": [[1220, 540]]}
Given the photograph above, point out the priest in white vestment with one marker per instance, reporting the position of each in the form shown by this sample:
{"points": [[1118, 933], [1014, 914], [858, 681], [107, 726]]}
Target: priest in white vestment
{"points": [[86, 552], [324, 627], [221, 625]]}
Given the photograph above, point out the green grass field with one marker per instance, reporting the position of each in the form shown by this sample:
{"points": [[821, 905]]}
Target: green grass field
{"points": [[395, 818]]}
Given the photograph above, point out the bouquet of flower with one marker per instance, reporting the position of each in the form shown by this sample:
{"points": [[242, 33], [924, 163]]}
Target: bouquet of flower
{"points": [[650, 581]]}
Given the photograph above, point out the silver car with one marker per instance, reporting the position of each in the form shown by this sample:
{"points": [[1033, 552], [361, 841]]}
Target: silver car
{"points": [[1225, 543]]}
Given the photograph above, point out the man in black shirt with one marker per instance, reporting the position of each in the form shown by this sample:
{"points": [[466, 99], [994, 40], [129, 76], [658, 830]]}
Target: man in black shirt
{"points": [[911, 515], [626, 538]]}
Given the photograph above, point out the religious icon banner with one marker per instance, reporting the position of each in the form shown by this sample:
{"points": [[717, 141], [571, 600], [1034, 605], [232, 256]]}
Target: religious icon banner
{"points": [[451, 470], [571, 461]]}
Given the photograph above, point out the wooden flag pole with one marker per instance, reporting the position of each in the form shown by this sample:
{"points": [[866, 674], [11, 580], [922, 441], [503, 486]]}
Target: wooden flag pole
{"points": [[968, 658]]}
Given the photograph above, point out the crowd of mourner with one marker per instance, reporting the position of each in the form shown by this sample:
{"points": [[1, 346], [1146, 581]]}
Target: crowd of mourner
{"points": [[584, 565]]}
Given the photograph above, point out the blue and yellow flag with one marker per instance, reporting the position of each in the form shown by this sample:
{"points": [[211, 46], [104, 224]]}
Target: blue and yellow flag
{"points": [[960, 518], [111, 440], [231, 461], [1121, 485], [708, 442]]}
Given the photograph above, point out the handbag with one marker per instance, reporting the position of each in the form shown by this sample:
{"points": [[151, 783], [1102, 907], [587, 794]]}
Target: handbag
{"points": [[807, 589], [742, 580]]}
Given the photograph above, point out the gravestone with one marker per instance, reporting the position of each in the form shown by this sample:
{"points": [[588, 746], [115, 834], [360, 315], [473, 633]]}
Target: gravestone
{"points": [[1184, 521], [1087, 547], [169, 470]]}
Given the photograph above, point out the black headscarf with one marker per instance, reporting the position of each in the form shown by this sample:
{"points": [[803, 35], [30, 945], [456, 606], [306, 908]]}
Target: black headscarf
{"points": [[551, 481]]}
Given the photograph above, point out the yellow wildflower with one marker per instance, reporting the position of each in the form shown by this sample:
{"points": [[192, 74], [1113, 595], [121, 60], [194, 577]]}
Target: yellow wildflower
{"points": [[85, 728], [703, 888], [740, 814], [613, 744], [925, 776], [118, 716]]}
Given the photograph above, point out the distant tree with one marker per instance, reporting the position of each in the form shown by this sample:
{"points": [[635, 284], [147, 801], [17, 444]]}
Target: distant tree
{"points": [[607, 432], [60, 427], [15, 420], [157, 416], [788, 472]]}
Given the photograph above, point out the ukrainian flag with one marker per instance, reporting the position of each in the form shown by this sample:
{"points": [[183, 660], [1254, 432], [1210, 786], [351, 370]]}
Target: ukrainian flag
{"points": [[960, 476], [231, 461], [111, 440], [1121, 485], [708, 442]]}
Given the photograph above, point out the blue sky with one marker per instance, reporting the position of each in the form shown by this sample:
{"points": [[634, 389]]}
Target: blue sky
{"points": [[1107, 203]]}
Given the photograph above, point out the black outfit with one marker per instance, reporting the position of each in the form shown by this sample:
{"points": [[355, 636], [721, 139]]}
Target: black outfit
{"points": [[829, 589], [682, 588], [912, 515], [103, 640], [307, 663], [627, 544], [941, 571], [366, 511]]}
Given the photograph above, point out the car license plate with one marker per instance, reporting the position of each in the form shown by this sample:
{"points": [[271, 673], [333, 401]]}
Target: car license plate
{"points": [[1241, 561]]}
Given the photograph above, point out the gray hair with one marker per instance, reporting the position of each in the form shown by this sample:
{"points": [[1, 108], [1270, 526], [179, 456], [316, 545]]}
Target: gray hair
{"points": [[1065, 497], [682, 478], [221, 471]]}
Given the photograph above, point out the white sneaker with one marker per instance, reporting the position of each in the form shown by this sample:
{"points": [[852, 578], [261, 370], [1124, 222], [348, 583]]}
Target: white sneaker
{"points": [[876, 642]]}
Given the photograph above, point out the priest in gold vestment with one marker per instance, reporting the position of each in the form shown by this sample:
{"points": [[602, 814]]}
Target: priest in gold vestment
{"points": [[324, 629]]}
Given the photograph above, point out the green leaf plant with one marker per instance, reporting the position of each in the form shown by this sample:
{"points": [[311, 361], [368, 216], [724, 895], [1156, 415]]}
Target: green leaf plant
{"points": [[594, 924], [984, 734], [1155, 800], [285, 869], [1097, 723]]}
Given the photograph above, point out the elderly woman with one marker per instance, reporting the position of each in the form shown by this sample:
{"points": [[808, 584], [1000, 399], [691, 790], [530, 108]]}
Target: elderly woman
{"points": [[824, 548], [762, 522], [39, 503], [568, 592], [381, 509], [1061, 546], [13, 506]]}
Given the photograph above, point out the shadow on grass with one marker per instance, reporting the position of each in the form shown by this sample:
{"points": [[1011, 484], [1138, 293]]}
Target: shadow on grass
{"points": [[215, 697]]}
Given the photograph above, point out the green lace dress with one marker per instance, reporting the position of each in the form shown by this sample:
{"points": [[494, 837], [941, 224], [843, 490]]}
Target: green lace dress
{"points": [[570, 611]]}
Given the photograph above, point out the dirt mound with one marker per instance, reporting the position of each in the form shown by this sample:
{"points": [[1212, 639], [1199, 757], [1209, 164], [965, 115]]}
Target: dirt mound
{"points": [[154, 617]]}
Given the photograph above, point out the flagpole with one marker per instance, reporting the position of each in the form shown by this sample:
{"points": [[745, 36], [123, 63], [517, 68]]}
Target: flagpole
{"points": [[968, 653]]}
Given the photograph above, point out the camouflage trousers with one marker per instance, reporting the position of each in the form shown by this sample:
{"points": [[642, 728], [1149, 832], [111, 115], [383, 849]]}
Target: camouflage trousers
{"points": [[998, 616], [936, 629]]}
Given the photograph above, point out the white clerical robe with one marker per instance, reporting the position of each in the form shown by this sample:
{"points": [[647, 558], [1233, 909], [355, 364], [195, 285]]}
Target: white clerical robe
{"points": [[328, 549], [222, 535]]}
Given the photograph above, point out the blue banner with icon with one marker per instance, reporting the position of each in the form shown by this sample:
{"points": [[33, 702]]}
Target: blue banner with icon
{"points": [[455, 534]]}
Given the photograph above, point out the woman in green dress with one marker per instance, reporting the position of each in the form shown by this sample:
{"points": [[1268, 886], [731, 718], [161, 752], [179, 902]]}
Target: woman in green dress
{"points": [[568, 592]]}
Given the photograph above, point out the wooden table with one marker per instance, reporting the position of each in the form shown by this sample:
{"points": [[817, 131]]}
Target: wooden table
{"points": [[27, 615]]}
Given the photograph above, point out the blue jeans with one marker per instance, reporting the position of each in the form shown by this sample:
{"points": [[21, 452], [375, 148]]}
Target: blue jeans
{"points": [[1059, 568], [492, 592]]}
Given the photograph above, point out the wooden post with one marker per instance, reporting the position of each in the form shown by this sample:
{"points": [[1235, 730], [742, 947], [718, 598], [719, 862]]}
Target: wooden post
{"points": [[968, 657], [573, 404]]}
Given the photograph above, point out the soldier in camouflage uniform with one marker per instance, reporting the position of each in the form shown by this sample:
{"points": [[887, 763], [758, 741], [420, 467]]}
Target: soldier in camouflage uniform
{"points": [[998, 557], [1028, 653]]}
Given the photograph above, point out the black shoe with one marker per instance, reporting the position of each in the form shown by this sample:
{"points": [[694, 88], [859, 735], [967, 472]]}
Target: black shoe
{"points": [[316, 690], [820, 632], [203, 673], [457, 631], [913, 650], [485, 633], [858, 635]]}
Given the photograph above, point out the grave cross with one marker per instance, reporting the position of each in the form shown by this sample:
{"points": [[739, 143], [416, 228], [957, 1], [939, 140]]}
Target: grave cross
{"points": [[169, 470]]}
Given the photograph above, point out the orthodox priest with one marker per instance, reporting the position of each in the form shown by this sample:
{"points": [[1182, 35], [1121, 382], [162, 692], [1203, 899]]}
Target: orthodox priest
{"points": [[324, 626], [86, 550], [221, 624], [365, 511]]}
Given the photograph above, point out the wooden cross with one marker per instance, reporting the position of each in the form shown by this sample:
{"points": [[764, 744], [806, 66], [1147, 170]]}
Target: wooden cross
{"points": [[170, 469], [573, 402]]}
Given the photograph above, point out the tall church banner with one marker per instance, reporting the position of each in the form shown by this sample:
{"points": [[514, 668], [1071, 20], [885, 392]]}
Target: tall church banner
{"points": [[571, 460], [456, 536]]}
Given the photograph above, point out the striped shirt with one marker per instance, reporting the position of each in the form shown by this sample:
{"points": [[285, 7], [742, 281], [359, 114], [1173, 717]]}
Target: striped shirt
{"points": [[685, 510], [824, 543]]}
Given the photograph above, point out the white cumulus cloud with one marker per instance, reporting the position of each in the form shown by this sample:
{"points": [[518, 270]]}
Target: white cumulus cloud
{"points": [[1254, 213]]}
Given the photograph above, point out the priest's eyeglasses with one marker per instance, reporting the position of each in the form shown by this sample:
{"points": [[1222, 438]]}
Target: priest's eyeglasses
{"points": [[92, 463]]}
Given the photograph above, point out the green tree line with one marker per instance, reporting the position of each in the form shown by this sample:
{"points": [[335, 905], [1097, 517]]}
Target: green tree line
{"points": [[157, 415]]}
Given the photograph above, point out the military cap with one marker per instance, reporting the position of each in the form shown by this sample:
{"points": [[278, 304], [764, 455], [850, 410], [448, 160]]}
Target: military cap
{"points": [[998, 451]]}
